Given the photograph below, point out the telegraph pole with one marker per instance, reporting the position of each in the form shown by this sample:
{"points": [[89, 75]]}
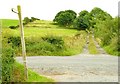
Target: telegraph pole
{"points": [[22, 40]]}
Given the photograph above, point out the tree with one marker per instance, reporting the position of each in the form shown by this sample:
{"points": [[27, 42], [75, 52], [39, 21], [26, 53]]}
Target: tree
{"points": [[57, 15], [82, 21], [72, 12], [97, 15], [65, 18], [26, 20], [33, 19]]}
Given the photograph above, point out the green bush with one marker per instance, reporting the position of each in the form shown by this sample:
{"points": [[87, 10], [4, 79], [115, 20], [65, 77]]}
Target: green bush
{"points": [[41, 48], [55, 40], [16, 41], [107, 32], [13, 27], [7, 63], [48, 45]]}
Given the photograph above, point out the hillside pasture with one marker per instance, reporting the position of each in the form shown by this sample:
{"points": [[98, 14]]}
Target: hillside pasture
{"points": [[72, 40]]}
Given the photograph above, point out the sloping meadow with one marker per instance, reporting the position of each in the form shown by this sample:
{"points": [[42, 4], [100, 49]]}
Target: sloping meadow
{"points": [[47, 42]]}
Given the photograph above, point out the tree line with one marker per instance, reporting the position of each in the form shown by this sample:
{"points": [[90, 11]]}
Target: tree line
{"points": [[84, 19], [26, 20]]}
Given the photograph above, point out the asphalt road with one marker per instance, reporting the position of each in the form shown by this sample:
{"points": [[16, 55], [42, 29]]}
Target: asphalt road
{"points": [[78, 68]]}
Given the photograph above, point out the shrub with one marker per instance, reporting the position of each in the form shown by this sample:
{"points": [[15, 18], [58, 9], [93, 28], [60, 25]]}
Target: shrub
{"points": [[40, 48], [13, 27], [26, 20], [55, 40], [16, 41], [48, 45], [7, 63]]}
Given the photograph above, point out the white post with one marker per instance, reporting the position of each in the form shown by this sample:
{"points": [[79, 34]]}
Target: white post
{"points": [[22, 42]]}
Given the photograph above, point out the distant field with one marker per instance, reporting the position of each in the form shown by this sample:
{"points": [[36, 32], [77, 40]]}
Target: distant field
{"points": [[39, 28], [9, 22]]}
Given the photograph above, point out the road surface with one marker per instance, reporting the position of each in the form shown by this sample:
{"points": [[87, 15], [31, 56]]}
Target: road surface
{"points": [[79, 68]]}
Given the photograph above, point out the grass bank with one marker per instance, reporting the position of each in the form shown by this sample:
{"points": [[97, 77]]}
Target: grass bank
{"points": [[18, 75]]}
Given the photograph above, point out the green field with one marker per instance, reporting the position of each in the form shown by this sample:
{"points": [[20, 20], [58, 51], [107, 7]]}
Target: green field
{"points": [[47, 28], [38, 32], [9, 22]]}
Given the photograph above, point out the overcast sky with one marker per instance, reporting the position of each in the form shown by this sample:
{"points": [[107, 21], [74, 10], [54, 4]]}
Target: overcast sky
{"points": [[47, 9]]}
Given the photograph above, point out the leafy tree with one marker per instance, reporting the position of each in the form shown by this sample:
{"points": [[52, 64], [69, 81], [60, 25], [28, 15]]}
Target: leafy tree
{"points": [[97, 15], [72, 12], [57, 15], [83, 13], [82, 21], [65, 18], [26, 20], [33, 19]]}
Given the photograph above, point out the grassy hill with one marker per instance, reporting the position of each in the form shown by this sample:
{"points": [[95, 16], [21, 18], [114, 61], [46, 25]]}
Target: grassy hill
{"points": [[36, 32], [39, 37]]}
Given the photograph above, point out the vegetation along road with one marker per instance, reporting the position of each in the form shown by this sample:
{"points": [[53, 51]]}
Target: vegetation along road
{"points": [[84, 67]]}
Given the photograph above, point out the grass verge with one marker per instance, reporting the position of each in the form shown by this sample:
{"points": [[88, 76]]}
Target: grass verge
{"points": [[18, 75], [91, 46]]}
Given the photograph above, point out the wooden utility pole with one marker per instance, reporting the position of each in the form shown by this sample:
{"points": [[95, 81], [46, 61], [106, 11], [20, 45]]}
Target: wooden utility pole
{"points": [[22, 42]]}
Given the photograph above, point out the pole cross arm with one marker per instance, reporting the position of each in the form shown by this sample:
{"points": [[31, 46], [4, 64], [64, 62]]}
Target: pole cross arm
{"points": [[13, 10]]}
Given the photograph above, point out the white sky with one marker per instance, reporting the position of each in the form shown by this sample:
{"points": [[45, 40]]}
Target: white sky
{"points": [[47, 9]]}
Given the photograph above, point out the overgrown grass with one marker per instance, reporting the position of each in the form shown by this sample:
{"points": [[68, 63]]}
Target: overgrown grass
{"points": [[18, 75], [112, 48], [91, 46], [76, 43]]}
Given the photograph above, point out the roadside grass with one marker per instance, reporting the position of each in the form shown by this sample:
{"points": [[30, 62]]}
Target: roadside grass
{"points": [[91, 46], [18, 75], [112, 48], [9, 22]]}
